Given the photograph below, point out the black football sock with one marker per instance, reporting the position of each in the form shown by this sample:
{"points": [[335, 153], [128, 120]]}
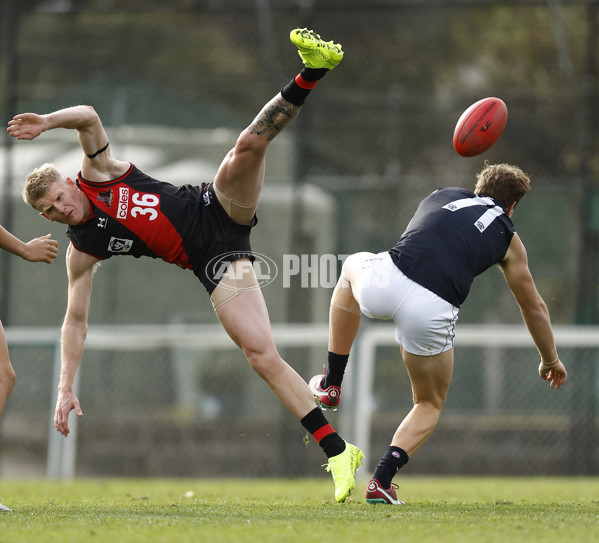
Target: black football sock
{"points": [[329, 440], [336, 364], [389, 465], [297, 90]]}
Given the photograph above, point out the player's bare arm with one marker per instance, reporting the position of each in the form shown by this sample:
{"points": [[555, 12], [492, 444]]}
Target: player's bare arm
{"points": [[98, 163], [42, 249], [84, 119], [534, 311], [74, 330]]}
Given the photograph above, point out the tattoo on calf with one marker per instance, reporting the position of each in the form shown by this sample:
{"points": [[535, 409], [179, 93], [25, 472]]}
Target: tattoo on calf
{"points": [[273, 118]]}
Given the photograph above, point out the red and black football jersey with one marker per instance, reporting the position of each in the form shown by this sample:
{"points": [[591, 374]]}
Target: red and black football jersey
{"points": [[140, 216]]}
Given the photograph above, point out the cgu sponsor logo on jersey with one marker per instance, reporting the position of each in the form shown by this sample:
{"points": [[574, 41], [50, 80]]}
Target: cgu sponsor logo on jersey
{"points": [[123, 205]]}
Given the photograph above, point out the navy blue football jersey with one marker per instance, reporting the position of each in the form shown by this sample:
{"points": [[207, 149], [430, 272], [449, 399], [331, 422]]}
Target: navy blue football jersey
{"points": [[454, 236]]}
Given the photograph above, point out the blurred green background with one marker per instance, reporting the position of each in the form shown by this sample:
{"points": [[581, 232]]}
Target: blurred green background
{"points": [[175, 82]]}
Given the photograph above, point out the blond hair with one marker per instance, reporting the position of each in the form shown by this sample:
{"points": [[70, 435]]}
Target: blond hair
{"points": [[38, 183], [504, 182]]}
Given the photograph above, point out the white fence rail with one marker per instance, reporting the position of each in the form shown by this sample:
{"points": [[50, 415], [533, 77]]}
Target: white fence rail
{"points": [[356, 414]]}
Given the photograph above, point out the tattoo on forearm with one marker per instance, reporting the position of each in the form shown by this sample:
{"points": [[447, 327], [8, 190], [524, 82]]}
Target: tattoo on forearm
{"points": [[275, 116]]}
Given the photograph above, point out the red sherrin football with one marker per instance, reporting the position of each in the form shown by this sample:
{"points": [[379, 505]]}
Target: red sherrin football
{"points": [[479, 127]]}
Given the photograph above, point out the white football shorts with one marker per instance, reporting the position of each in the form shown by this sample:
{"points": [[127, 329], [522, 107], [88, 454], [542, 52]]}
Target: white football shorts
{"points": [[424, 322]]}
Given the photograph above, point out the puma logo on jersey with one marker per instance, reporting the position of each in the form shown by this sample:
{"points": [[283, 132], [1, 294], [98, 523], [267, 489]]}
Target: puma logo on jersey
{"points": [[123, 203]]}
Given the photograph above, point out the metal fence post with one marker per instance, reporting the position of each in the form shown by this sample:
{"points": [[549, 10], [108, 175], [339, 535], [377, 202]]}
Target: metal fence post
{"points": [[62, 452]]}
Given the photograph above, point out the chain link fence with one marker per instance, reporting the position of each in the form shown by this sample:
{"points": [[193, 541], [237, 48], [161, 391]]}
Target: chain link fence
{"points": [[174, 83]]}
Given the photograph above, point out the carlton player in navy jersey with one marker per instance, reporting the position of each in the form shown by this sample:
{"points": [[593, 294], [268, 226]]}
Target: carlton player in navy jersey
{"points": [[113, 209], [420, 284]]}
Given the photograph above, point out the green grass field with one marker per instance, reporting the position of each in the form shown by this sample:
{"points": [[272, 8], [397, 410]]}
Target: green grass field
{"points": [[438, 510]]}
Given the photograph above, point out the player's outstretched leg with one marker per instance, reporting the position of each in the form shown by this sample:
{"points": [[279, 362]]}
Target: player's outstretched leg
{"points": [[238, 182], [314, 51], [343, 468], [344, 322], [4, 509]]}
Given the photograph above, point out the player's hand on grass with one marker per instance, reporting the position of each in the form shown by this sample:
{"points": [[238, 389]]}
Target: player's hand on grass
{"points": [[554, 374], [65, 403]]}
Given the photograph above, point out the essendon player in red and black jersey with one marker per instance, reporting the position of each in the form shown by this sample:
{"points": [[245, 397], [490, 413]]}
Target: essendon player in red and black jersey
{"points": [[135, 215], [114, 209], [139, 216]]}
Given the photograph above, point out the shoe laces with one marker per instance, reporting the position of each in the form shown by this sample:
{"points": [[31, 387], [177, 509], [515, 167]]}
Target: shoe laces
{"points": [[393, 486], [341, 476], [346, 472], [305, 33]]}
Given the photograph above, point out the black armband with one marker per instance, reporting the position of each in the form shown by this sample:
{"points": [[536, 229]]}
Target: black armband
{"points": [[99, 151]]}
